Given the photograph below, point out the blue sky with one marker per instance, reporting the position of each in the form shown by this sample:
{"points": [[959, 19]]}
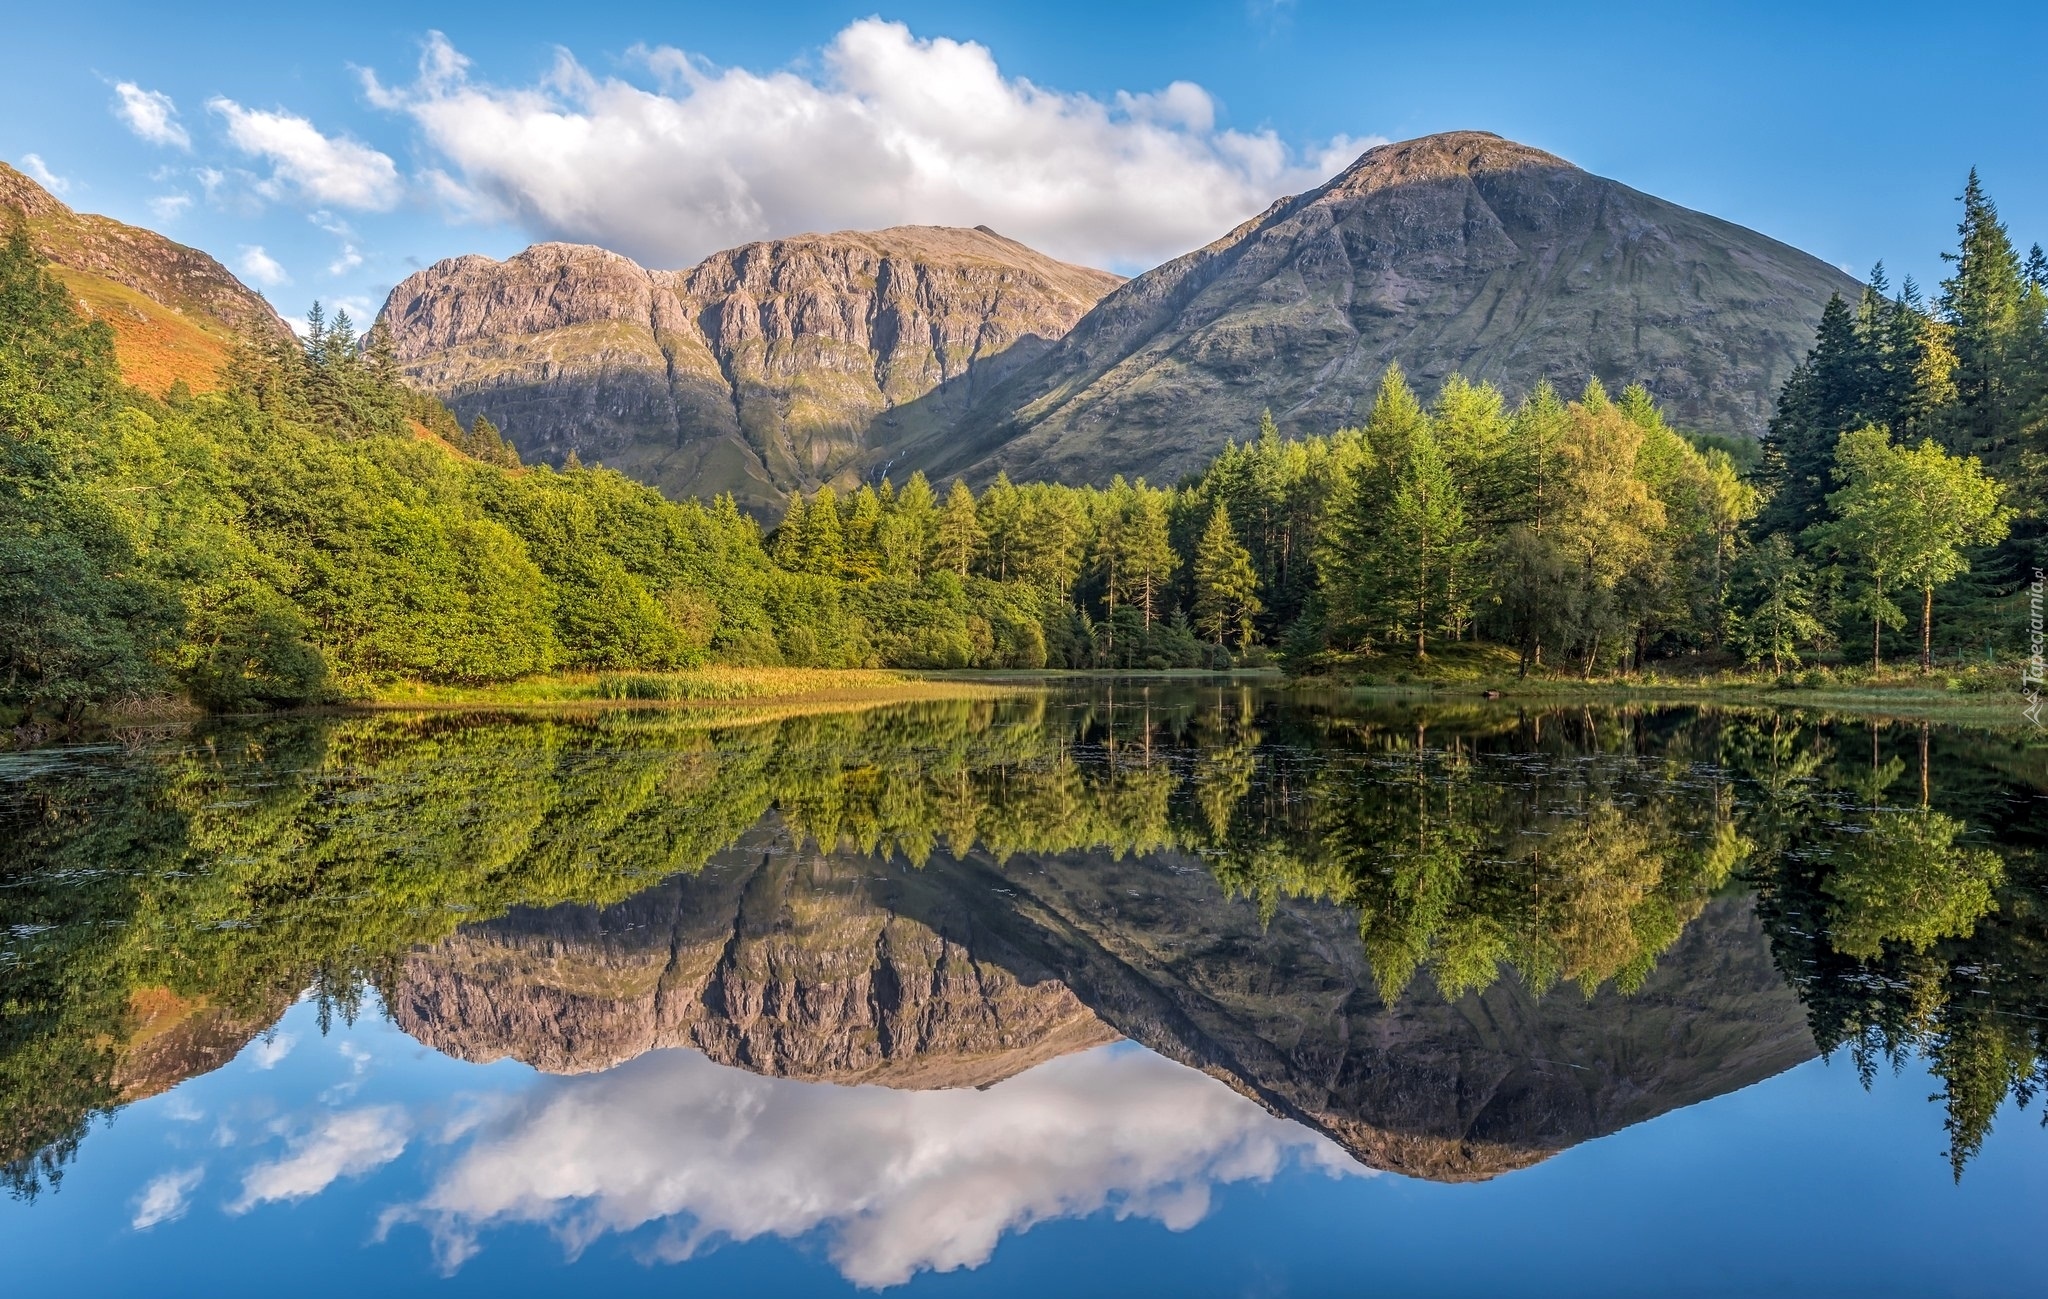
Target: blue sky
{"points": [[329, 150]]}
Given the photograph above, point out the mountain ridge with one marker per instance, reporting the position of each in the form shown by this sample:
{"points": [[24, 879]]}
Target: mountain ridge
{"points": [[758, 369], [175, 311]]}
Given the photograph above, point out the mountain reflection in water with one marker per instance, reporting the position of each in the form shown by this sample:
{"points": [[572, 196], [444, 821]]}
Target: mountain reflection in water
{"points": [[1445, 941]]}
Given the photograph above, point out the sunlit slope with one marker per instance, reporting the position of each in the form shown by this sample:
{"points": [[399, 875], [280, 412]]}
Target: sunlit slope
{"points": [[175, 311]]}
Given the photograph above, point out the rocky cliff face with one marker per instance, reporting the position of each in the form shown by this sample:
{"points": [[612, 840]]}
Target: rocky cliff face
{"points": [[785, 965], [1460, 252], [174, 310], [839, 968], [766, 367]]}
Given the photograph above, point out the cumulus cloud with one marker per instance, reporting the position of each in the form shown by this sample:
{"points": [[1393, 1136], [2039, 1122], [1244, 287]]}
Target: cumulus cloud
{"points": [[166, 1197], [169, 207], [331, 170], [151, 115], [257, 265], [269, 1051], [33, 164], [897, 1182], [892, 129], [347, 1144]]}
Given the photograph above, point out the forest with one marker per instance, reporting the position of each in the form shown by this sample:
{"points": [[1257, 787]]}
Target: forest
{"points": [[314, 530]]}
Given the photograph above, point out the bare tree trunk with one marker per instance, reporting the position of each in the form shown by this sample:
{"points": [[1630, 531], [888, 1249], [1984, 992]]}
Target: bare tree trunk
{"points": [[1926, 629]]}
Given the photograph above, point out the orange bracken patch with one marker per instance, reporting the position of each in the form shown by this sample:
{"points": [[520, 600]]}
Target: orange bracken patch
{"points": [[155, 345]]}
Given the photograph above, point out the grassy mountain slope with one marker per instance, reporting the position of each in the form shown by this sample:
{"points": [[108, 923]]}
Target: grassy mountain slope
{"points": [[174, 310]]}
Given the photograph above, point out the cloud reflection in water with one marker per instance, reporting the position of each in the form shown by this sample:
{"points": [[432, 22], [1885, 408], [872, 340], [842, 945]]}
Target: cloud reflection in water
{"points": [[895, 1181]]}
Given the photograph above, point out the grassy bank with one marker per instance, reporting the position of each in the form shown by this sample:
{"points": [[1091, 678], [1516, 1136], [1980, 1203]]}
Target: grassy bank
{"points": [[1977, 694], [696, 686]]}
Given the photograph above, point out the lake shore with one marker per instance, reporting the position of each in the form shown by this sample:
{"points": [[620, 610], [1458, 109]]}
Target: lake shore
{"points": [[693, 687]]}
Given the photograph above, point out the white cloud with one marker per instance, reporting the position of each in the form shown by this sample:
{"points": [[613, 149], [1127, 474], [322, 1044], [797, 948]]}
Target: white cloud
{"points": [[166, 1197], [261, 267], [347, 1144], [898, 1182], [269, 1051], [323, 169], [169, 207], [33, 164], [893, 130], [151, 115]]}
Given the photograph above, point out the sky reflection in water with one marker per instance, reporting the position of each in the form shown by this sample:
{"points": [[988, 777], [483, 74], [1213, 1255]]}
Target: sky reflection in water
{"points": [[1363, 926]]}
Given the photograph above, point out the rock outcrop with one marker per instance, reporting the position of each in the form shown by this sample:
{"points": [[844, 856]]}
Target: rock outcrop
{"points": [[782, 964], [1458, 252], [174, 310], [766, 367]]}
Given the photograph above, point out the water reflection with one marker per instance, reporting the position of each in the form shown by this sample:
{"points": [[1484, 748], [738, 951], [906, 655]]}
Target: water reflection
{"points": [[898, 1181], [1358, 917]]}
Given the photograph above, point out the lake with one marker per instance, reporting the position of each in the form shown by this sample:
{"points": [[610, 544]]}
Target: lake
{"points": [[1123, 988]]}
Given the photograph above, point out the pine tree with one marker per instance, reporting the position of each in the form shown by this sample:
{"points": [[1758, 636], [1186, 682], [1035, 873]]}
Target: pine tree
{"points": [[823, 548], [1226, 584], [862, 537], [958, 534], [1981, 305], [1146, 559], [787, 547], [1828, 393], [1427, 547], [1776, 589]]}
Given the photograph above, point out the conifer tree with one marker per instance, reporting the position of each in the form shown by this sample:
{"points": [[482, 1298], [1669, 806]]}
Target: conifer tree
{"points": [[1981, 305], [823, 543], [1226, 584], [862, 539], [788, 545], [1776, 590], [1145, 559], [958, 534]]}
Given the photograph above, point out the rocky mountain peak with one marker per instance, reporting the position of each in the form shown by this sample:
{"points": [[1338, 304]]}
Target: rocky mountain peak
{"points": [[1461, 252], [766, 367], [1439, 157]]}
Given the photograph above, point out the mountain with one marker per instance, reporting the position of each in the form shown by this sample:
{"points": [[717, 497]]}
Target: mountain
{"points": [[763, 368], [792, 966], [174, 310], [1458, 252], [832, 967], [838, 357]]}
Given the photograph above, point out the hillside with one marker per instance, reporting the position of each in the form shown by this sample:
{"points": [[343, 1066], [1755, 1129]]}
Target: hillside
{"points": [[764, 368], [1460, 252], [174, 310]]}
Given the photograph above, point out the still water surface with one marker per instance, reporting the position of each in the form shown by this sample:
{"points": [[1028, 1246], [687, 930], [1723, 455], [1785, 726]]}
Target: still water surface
{"points": [[1145, 989]]}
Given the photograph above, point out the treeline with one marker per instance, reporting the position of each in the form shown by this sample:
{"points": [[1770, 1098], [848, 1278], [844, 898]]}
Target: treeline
{"points": [[1910, 450]]}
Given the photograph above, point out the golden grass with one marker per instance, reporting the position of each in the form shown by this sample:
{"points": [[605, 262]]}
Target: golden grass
{"points": [[696, 687], [154, 345]]}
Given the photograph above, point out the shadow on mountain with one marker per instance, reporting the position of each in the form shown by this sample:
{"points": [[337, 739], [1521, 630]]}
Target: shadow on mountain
{"points": [[836, 967]]}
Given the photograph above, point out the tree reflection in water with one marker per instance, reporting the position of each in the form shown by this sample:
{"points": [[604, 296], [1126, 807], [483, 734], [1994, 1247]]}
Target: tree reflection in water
{"points": [[165, 904]]}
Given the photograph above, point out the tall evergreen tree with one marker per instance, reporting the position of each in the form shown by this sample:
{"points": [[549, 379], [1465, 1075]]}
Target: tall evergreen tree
{"points": [[958, 535], [1981, 303], [1226, 584]]}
